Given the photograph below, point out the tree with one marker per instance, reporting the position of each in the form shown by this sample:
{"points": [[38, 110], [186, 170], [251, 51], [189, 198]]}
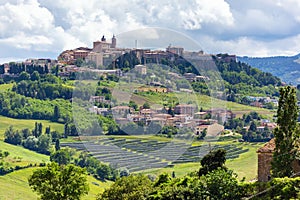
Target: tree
{"points": [[24, 76], [124, 172], [47, 130], [35, 76], [133, 105], [43, 144], [285, 133], [222, 184], [61, 157], [103, 171], [218, 184], [146, 105], [55, 182], [253, 126], [128, 188], [57, 145], [12, 136], [213, 160], [56, 113], [66, 130], [31, 143], [26, 133]]}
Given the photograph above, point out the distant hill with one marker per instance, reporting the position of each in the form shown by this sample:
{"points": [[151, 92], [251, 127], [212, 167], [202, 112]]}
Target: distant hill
{"points": [[285, 67]]}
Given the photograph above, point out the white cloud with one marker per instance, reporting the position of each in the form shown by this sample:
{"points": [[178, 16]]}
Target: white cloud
{"points": [[250, 47], [206, 11], [251, 28]]}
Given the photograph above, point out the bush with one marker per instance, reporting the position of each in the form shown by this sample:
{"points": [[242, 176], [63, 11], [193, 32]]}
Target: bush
{"points": [[285, 188]]}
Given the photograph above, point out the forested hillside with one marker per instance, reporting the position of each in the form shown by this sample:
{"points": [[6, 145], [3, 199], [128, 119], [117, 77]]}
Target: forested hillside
{"points": [[285, 67]]}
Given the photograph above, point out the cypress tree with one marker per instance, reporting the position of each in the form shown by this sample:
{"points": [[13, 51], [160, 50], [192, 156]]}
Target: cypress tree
{"points": [[285, 133]]}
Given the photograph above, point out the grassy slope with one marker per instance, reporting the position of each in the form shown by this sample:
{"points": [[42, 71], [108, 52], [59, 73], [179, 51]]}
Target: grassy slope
{"points": [[24, 156], [16, 186], [246, 164], [19, 124]]}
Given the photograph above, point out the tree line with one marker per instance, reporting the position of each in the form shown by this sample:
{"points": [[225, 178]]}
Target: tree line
{"points": [[35, 139]]}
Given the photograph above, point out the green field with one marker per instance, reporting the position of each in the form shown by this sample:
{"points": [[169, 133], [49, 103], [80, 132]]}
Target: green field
{"points": [[20, 124], [15, 186], [21, 156], [246, 164]]}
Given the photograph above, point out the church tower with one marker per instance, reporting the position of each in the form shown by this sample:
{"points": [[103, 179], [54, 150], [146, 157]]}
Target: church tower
{"points": [[113, 42]]}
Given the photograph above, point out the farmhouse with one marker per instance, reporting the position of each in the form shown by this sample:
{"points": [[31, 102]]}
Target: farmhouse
{"points": [[265, 156]]}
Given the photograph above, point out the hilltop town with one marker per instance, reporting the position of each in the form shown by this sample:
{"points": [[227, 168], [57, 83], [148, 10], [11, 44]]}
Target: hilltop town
{"points": [[106, 59], [140, 109]]}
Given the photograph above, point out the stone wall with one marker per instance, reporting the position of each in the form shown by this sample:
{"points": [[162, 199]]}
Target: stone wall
{"points": [[264, 166]]}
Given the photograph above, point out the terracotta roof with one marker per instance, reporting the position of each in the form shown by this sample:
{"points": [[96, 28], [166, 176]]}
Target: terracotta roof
{"points": [[268, 147]]}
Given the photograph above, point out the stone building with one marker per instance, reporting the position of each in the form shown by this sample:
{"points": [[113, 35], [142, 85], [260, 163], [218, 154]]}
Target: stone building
{"points": [[265, 156], [187, 109]]}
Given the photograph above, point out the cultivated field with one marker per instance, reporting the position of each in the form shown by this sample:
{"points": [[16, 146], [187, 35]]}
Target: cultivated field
{"points": [[156, 156]]}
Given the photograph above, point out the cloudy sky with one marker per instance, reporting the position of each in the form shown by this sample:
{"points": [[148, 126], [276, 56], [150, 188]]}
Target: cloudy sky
{"points": [[43, 28]]}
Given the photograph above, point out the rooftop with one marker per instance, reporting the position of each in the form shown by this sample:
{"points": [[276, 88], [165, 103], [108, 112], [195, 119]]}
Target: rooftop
{"points": [[268, 147]]}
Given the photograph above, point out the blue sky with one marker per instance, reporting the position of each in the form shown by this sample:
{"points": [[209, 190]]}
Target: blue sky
{"points": [[44, 28]]}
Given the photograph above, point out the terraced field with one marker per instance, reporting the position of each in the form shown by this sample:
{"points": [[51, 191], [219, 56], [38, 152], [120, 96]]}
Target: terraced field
{"points": [[138, 155]]}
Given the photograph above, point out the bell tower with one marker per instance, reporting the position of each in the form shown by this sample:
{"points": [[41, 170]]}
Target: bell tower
{"points": [[113, 42]]}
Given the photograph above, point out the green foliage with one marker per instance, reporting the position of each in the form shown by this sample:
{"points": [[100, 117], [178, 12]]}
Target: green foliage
{"points": [[17, 68], [56, 114], [146, 105], [57, 145], [4, 166], [3, 154], [162, 180], [24, 76], [242, 80], [252, 135], [46, 88], [61, 157], [20, 107], [56, 182], [212, 161], [169, 131], [285, 188], [285, 67], [35, 76], [222, 184], [36, 141], [133, 105], [218, 184], [128, 188], [94, 166], [124, 172], [12, 136], [285, 133]]}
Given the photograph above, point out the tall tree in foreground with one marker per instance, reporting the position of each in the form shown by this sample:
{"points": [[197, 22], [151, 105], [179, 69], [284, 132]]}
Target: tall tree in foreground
{"points": [[56, 182], [285, 133]]}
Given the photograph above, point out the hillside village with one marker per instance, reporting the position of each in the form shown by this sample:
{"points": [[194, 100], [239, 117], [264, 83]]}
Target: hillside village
{"points": [[101, 59]]}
